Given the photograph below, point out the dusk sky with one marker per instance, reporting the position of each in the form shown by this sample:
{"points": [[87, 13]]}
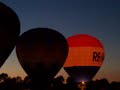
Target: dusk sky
{"points": [[99, 18]]}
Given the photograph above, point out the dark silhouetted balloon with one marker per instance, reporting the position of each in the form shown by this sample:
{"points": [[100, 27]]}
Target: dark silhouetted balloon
{"points": [[42, 52], [85, 57], [9, 31]]}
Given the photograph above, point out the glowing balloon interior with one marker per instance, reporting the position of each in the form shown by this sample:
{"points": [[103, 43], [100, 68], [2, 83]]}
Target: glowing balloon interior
{"points": [[9, 31], [42, 52], [86, 55]]}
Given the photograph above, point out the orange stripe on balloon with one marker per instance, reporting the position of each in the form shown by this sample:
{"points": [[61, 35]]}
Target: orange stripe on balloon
{"points": [[83, 56]]}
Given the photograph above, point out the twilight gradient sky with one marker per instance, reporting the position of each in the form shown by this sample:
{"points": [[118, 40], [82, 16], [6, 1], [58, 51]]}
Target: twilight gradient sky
{"points": [[99, 18]]}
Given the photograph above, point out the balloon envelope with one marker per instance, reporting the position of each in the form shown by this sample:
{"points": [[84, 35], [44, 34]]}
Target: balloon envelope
{"points": [[85, 57], [9, 31], [42, 52]]}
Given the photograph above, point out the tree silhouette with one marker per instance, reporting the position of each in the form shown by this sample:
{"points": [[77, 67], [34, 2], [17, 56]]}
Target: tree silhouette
{"points": [[8, 83], [102, 84], [16, 83], [115, 86], [58, 83], [71, 84], [27, 82], [3, 76]]}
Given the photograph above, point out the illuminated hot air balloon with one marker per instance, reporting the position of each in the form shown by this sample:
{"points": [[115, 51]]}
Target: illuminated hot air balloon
{"points": [[9, 31], [42, 52], [85, 57]]}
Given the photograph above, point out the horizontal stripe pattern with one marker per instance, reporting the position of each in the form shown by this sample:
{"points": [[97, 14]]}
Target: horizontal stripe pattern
{"points": [[83, 40], [84, 56]]}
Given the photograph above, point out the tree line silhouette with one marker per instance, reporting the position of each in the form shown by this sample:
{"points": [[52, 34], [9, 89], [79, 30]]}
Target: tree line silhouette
{"points": [[17, 83]]}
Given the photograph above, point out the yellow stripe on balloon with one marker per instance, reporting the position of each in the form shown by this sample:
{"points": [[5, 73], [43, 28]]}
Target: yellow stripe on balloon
{"points": [[84, 56]]}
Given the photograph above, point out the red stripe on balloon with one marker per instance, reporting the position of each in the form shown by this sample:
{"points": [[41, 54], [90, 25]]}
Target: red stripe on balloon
{"points": [[83, 40]]}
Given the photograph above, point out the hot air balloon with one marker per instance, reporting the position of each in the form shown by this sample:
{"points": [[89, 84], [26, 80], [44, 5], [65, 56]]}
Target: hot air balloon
{"points": [[42, 52], [9, 31], [85, 57]]}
